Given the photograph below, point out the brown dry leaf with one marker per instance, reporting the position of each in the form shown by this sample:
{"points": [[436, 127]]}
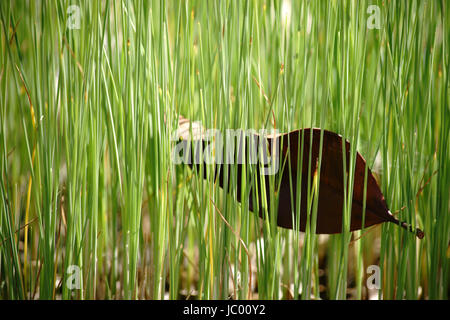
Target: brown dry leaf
{"points": [[330, 184]]}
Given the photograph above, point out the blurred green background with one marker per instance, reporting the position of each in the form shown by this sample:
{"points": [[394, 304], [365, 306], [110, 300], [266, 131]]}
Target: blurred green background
{"points": [[93, 208]]}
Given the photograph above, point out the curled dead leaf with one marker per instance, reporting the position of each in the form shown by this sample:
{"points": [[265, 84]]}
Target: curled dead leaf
{"points": [[299, 153]]}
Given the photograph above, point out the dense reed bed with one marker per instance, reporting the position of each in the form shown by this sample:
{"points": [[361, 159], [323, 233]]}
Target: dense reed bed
{"points": [[92, 207]]}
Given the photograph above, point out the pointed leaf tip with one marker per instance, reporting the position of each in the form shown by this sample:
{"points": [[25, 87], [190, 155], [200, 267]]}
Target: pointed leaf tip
{"points": [[418, 232]]}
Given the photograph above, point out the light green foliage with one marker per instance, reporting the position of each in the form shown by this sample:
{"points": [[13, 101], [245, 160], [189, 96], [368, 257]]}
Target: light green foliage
{"points": [[86, 123]]}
